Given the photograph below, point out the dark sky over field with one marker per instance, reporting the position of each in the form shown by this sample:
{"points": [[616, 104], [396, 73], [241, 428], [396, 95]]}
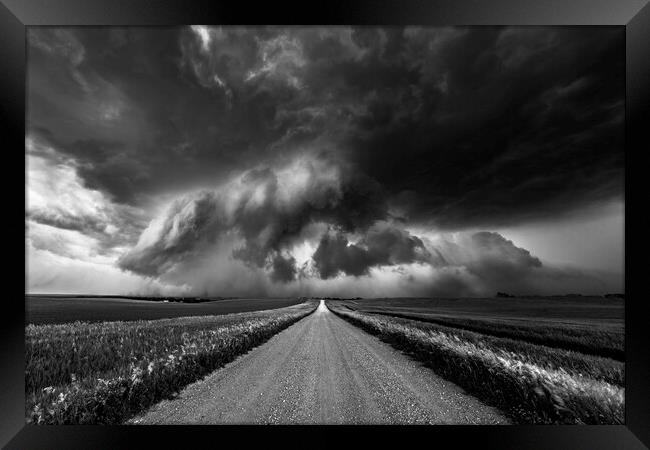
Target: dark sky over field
{"points": [[325, 161]]}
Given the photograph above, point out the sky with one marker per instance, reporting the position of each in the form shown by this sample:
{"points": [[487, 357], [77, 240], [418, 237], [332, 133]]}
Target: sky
{"points": [[325, 161]]}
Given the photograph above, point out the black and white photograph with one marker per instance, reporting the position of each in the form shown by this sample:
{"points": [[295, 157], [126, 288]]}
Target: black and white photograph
{"points": [[325, 225]]}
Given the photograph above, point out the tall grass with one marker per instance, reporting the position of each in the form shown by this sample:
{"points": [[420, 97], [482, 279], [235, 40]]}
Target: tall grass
{"points": [[527, 392], [573, 362], [605, 343], [104, 373]]}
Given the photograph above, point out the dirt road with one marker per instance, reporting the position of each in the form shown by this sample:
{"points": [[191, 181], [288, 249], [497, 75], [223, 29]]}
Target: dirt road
{"points": [[322, 370]]}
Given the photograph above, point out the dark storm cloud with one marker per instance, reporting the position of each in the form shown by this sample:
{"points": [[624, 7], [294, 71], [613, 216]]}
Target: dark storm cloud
{"points": [[276, 142], [106, 165], [459, 126], [334, 255], [262, 215], [191, 223], [504, 126], [268, 209], [283, 269], [380, 246]]}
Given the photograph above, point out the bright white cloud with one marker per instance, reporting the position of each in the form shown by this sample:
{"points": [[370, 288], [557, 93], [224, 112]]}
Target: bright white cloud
{"points": [[72, 239], [68, 243], [203, 34], [52, 273], [55, 190]]}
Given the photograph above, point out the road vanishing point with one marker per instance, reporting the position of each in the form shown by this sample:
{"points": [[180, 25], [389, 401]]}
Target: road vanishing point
{"points": [[322, 370]]}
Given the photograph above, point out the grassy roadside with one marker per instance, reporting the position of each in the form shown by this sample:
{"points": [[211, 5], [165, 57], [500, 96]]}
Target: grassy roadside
{"points": [[550, 358], [104, 373], [527, 392], [605, 343]]}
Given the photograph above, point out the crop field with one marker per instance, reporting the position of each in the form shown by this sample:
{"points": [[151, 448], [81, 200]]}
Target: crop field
{"points": [[105, 372], [42, 309], [590, 325], [505, 359]]}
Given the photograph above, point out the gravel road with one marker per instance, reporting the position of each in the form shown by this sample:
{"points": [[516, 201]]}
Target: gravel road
{"points": [[322, 370]]}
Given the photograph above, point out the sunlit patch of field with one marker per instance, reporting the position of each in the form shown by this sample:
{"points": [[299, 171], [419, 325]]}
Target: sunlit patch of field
{"points": [[106, 372], [532, 383]]}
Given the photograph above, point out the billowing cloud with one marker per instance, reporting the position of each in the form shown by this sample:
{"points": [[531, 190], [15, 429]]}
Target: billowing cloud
{"points": [[288, 229], [267, 208], [483, 263], [381, 245], [296, 160]]}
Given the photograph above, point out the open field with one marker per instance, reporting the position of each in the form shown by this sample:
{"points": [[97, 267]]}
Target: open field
{"points": [[43, 309], [106, 372], [560, 309], [591, 325], [532, 383]]}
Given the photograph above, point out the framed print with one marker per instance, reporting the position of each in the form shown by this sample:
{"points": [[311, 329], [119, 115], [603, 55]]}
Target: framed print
{"points": [[377, 218]]}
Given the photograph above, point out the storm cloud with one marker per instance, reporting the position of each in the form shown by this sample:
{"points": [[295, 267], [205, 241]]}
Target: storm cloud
{"points": [[380, 246], [267, 209], [309, 159], [262, 218]]}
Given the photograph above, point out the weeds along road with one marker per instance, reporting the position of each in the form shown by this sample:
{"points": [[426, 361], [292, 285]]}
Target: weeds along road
{"points": [[322, 370]]}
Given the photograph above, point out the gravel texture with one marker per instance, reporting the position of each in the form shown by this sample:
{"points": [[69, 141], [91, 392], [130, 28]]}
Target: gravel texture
{"points": [[322, 370]]}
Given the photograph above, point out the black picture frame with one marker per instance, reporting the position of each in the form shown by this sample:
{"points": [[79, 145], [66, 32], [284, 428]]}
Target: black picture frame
{"points": [[634, 15]]}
